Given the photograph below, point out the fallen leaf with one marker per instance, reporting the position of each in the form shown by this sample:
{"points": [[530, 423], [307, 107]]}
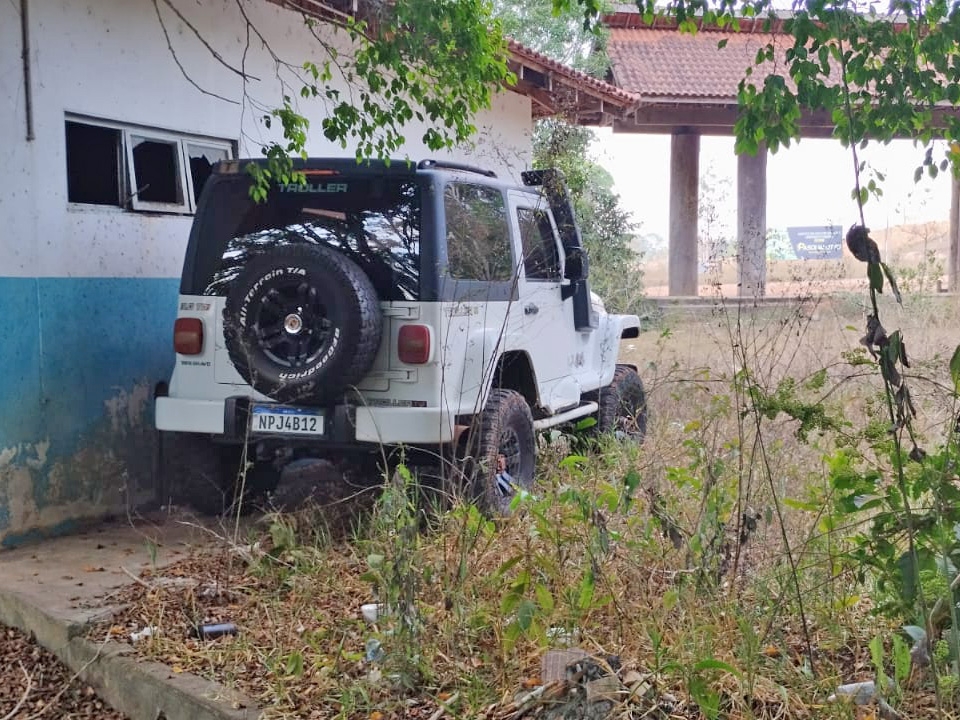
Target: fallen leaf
{"points": [[177, 669], [530, 682], [376, 715], [93, 568], [772, 651]]}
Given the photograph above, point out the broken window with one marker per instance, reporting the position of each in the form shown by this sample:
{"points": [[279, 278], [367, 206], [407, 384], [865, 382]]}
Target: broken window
{"points": [[158, 177], [202, 158], [109, 164]]}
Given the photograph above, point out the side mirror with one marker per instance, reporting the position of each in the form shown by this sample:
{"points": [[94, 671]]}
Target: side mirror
{"points": [[577, 267]]}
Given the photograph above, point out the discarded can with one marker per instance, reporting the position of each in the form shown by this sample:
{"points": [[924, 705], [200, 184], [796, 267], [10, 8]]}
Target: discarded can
{"points": [[148, 631], [210, 631]]}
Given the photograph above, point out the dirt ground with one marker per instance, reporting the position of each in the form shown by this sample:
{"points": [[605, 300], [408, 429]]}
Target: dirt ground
{"points": [[34, 685]]}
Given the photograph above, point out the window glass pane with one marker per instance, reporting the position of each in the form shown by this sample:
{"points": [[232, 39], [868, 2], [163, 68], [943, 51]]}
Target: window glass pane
{"points": [[478, 238], [156, 166], [93, 164], [373, 221], [541, 257], [202, 159]]}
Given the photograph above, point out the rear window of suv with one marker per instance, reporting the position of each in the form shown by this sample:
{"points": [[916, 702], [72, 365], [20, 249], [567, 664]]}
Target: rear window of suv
{"points": [[375, 221]]}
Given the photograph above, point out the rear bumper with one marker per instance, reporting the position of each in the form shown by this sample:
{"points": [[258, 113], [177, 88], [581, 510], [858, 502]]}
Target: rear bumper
{"points": [[345, 423]]}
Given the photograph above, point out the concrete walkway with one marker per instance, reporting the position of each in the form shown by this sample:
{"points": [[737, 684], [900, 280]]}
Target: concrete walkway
{"points": [[56, 588]]}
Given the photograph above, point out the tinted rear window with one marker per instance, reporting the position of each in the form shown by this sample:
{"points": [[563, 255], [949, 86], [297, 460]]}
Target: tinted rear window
{"points": [[375, 221]]}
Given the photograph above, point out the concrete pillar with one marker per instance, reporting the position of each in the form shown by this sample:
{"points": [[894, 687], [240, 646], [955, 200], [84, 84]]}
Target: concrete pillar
{"points": [[684, 186], [752, 223], [953, 261]]}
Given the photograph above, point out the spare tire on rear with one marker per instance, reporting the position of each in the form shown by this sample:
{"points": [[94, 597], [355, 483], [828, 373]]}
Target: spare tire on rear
{"points": [[302, 323]]}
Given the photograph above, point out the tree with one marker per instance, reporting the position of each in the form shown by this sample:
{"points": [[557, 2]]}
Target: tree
{"points": [[715, 241], [606, 227], [562, 36], [434, 60]]}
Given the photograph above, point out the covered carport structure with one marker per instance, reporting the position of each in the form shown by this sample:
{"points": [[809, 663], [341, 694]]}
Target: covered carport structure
{"points": [[687, 88]]}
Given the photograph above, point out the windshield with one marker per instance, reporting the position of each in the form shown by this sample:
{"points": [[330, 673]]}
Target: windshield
{"points": [[375, 221]]}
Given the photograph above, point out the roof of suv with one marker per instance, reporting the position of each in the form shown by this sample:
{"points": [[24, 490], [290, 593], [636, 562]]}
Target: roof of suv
{"points": [[350, 165]]}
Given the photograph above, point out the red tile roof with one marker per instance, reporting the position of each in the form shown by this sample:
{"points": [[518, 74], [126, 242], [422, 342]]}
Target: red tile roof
{"points": [[660, 64], [529, 57]]}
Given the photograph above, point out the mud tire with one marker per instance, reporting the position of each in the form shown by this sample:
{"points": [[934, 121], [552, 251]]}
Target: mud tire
{"points": [[502, 437], [623, 406], [302, 323]]}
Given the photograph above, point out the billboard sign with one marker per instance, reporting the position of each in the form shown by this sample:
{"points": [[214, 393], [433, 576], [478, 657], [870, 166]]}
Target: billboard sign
{"points": [[816, 242]]}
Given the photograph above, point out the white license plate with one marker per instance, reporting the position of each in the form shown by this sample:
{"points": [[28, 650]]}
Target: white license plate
{"points": [[286, 420]]}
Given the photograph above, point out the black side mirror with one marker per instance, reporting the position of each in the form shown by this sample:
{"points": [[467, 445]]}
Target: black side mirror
{"points": [[577, 267]]}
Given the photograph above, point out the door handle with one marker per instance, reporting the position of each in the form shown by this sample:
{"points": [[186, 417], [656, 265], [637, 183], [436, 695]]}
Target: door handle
{"points": [[530, 309]]}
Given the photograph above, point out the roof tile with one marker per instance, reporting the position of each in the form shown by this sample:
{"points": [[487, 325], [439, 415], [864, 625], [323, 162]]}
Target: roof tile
{"points": [[659, 64]]}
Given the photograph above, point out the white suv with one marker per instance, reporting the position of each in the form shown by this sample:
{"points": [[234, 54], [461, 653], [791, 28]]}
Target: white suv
{"points": [[432, 307]]}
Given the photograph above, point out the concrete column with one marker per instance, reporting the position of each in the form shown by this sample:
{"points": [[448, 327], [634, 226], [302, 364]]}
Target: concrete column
{"points": [[752, 223], [684, 186], [953, 261]]}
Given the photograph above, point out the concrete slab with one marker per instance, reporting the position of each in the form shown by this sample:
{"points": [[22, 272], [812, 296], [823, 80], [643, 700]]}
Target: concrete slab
{"points": [[56, 588]]}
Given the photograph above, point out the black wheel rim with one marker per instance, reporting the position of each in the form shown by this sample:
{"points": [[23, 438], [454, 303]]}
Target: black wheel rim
{"points": [[292, 327]]}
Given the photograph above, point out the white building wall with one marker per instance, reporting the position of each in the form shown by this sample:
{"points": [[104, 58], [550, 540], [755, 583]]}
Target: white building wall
{"points": [[88, 292]]}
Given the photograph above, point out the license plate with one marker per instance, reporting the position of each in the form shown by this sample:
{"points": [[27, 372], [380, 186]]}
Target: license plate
{"points": [[286, 420]]}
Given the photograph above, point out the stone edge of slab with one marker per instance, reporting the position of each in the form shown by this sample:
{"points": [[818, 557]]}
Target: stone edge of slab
{"points": [[142, 690]]}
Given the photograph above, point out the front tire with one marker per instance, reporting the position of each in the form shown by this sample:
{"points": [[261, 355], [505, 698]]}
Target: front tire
{"points": [[623, 406], [505, 452]]}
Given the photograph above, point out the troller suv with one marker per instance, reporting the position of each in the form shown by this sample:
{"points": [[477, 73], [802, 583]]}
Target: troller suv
{"points": [[431, 306]]}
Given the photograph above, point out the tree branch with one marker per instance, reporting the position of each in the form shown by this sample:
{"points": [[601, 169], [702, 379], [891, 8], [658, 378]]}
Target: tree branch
{"points": [[173, 54], [213, 51], [23, 698]]}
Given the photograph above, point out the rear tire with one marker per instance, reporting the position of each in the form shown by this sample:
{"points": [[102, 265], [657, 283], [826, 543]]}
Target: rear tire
{"points": [[504, 456]]}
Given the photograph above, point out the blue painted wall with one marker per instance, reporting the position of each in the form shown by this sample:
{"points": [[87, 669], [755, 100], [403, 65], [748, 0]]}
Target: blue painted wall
{"points": [[78, 360]]}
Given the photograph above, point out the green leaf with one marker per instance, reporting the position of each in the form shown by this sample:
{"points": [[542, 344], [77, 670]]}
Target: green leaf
{"points": [[670, 599], [544, 598], [722, 44], [714, 664], [525, 614], [893, 283], [800, 505], [375, 561], [294, 665], [876, 277], [901, 660], [955, 369]]}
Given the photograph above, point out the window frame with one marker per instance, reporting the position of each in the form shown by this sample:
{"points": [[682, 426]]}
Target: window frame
{"points": [[127, 192], [557, 278], [507, 234]]}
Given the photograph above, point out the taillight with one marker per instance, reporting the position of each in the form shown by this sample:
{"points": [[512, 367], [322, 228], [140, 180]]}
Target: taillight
{"points": [[188, 336], [413, 344]]}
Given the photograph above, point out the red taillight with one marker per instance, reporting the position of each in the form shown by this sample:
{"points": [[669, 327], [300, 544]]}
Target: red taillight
{"points": [[413, 344], [188, 336]]}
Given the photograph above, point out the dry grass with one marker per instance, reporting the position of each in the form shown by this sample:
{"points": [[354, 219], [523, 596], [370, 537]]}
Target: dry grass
{"points": [[915, 251], [662, 582]]}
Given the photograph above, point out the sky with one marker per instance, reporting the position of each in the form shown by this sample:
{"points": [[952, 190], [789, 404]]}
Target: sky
{"points": [[808, 183]]}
